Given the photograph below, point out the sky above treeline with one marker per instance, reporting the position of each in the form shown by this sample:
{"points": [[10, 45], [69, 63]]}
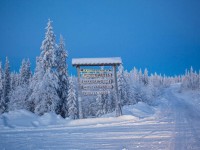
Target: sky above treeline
{"points": [[161, 35]]}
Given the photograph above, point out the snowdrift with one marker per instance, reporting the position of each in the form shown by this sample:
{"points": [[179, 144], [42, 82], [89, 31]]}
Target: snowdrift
{"points": [[139, 110], [24, 118]]}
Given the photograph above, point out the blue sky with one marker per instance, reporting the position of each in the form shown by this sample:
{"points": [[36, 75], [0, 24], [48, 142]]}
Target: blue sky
{"points": [[162, 35]]}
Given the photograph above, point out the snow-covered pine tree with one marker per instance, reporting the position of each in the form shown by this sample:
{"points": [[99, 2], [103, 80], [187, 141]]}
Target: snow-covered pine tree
{"points": [[61, 56], [140, 76], [134, 75], [145, 77], [135, 83], [44, 97], [18, 98], [38, 73], [110, 102], [199, 78], [35, 85], [25, 72], [193, 79], [138, 84], [155, 80], [153, 85], [190, 80], [122, 85], [129, 88], [15, 80], [48, 48], [139, 95], [167, 81], [1, 81], [185, 80], [130, 80], [100, 104], [22, 72], [20, 93], [72, 100], [1, 90], [6, 84]]}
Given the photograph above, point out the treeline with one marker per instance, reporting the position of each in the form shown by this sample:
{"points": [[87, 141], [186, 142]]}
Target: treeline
{"points": [[191, 80], [50, 89]]}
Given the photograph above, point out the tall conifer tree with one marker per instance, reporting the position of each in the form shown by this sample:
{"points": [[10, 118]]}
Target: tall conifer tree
{"points": [[1, 90], [61, 58], [72, 100], [6, 84]]}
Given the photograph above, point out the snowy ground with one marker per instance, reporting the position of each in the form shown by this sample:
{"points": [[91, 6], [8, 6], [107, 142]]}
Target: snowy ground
{"points": [[172, 125]]}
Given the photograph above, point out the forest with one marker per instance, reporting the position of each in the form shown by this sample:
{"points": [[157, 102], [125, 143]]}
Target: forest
{"points": [[50, 88]]}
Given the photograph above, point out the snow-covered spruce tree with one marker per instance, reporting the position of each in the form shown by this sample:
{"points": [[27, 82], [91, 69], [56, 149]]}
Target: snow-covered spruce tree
{"points": [[190, 80], [48, 48], [134, 75], [38, 73], [145, 77], [6, 84], [122, 86], [25, 72], [100, 105], [166, 81], [35, 85], [91, 107], [45, 94], [129, 88], [15, 80], [1, 90], [193, 79], [137, 86], [18, 98], [72, 100], [140, 86], [130, 82], [139, 94], [154, 85], [19, 94], [44, 97], [199, 79], [61, 56], [110, 102], [140, 76]]}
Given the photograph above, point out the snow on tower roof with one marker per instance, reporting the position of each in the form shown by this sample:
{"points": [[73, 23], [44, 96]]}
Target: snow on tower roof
{"points": [[96, 61]]}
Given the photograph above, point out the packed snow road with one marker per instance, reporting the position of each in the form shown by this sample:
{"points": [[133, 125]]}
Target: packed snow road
{"points": [[175, 125], [186, 115]]}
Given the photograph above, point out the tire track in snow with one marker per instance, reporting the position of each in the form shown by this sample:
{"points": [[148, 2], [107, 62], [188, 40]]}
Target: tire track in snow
{"points": [[187, 123]]}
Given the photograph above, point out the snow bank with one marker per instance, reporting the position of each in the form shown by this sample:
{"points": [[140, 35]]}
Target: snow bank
{"points": [[15, 118], [50, 119], [139, 110], [23, 118]]}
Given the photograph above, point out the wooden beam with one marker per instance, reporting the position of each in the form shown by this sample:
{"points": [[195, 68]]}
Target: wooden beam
{"points": [[79, 94], [118, 101]]}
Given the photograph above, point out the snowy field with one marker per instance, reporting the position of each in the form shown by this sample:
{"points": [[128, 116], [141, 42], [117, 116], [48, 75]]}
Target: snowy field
{"points": [[172, 124]]}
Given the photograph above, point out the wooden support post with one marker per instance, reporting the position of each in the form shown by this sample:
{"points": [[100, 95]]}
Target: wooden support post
{"points": [[79, 94], [118, 103]]}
